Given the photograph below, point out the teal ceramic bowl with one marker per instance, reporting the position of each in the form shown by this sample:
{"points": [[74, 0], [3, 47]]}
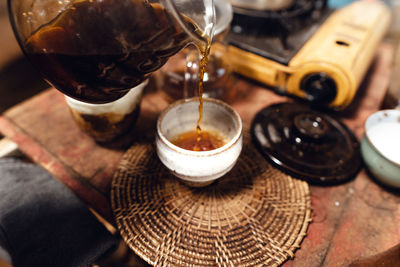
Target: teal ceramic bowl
{"points": [[380, 146]]}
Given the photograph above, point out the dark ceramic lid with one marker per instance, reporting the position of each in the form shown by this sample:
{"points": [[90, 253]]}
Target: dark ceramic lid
{"points": [[306, 143]]}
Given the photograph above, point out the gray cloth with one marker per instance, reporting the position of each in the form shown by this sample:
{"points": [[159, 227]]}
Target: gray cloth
{"points": [[42, 223]]}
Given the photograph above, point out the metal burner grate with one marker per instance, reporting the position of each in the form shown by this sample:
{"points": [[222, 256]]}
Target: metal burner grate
{"points": [[277, 35]]}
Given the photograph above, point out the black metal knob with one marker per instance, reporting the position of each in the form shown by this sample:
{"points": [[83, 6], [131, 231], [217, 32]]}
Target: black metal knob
{"points": [[310, 126], [319, 88]]}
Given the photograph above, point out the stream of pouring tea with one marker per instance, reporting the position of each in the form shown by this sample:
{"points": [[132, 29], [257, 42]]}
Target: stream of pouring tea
{"points": [[204, 52], [199, 139], [95, 51]]}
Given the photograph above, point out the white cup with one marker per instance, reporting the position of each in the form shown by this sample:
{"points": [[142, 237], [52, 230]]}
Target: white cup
{"points": [[199, 168], [109, 123]]}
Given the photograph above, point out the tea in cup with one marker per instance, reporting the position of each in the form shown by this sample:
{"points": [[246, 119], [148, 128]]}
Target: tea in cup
{"points": [[199, 157]]}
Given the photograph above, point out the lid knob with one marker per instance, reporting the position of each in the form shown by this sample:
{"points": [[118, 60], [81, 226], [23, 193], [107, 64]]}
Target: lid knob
{"points": [[310, 126]]}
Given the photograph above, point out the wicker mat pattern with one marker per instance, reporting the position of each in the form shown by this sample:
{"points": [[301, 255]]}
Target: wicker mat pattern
{"points": [[255, 215]]}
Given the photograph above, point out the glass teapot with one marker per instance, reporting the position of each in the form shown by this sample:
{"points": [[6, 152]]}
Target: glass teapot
{"points": [[96, 50]]}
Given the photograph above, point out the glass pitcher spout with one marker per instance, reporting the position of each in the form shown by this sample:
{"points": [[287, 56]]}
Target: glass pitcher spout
{"points": [[201, 13]]}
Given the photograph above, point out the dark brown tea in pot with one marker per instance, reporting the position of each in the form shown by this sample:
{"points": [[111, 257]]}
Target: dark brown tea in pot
{"points": [[96, 50]]}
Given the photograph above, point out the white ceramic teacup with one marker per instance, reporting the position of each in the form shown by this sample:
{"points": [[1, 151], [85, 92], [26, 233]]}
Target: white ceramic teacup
{"points": [[111, 122], [199, 168]]}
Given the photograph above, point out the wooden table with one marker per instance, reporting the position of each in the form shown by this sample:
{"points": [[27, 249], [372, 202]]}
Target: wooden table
{"points": [[354, 220]]}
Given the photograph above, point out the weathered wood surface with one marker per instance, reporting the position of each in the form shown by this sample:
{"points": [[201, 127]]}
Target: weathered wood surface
{"points": [[350, 221]]}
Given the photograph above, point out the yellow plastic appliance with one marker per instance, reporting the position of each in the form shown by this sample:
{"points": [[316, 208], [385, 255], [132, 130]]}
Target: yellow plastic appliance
{"points": [[331, 64]]}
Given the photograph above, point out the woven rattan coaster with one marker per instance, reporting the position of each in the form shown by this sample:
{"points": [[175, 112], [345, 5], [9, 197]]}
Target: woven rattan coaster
{"points": [[254, 215]]}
